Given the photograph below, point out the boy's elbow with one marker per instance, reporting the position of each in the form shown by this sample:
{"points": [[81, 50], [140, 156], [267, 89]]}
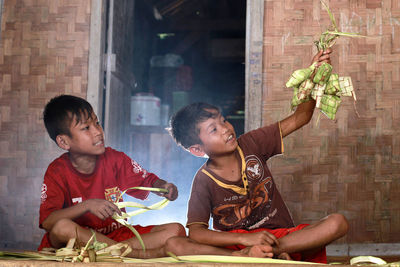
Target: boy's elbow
{"points": [[308, 118]]}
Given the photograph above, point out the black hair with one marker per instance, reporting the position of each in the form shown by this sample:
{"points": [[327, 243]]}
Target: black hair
{"points": [[184, 123], [60, 111]]}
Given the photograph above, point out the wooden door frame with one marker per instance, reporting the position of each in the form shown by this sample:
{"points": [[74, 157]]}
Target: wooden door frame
{"points": [[254, 59], [96, 68]]}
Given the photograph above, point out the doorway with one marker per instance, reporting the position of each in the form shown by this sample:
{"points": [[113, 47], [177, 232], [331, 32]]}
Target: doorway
{"points": [[190, 51]]}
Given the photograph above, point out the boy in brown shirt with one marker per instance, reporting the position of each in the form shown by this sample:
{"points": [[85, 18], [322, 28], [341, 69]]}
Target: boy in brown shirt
{"points": [[237, 189]]}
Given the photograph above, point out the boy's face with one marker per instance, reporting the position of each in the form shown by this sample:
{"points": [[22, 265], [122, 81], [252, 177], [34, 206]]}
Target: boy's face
{"points": [[86, 137], [217, 135]]}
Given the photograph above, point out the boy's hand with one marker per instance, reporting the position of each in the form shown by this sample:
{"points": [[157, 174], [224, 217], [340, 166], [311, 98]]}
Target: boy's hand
{"points": [[101, 208], [259, 238], [172, 193], [322, 57]]}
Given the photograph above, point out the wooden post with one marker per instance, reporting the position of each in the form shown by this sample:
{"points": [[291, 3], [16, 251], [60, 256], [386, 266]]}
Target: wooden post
{"points": [[254, 47], [96, 48]]}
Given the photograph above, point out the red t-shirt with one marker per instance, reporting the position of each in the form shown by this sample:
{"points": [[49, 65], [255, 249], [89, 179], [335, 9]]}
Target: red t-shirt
{"points": [[64, 186], [262, 207]]}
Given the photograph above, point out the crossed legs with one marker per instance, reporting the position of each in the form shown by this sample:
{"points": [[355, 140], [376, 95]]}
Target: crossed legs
{"points": [[154, 241]]}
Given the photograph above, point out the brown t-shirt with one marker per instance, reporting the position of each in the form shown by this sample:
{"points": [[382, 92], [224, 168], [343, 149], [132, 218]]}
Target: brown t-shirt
{"points": [[262, 207]]}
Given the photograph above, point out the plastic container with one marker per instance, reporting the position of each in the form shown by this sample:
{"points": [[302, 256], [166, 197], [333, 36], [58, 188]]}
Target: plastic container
{"points": [[145, 110]]}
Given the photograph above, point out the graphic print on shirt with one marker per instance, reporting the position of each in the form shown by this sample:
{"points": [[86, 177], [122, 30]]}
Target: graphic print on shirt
{"points": [[43, 195], [232, 214], [109, 228], [138, 169], [254, 167], [76, 200], [112, 194]]}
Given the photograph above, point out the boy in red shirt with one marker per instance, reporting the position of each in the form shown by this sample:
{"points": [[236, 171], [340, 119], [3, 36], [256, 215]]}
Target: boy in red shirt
{"points": [[237, 189], [81, 186]]}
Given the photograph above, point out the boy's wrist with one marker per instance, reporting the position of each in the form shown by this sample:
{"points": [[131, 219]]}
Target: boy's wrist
{"points": [[84, 205], [159, 183]]}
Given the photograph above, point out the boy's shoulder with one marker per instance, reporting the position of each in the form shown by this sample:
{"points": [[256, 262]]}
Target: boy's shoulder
{"points": [[263, 142], [59, 161], [63, 160], [266, 128], [201, 174], [111, 153], [199, 171], [259, 133]]}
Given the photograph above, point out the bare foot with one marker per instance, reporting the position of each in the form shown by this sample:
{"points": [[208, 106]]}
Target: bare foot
{"points": [[259, 251], [284, 256]]}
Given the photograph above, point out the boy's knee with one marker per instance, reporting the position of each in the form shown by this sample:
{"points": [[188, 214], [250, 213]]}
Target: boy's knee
{"points": [[179, 229], [64, 228], [339, 224], [170, 230], [175, 229]]}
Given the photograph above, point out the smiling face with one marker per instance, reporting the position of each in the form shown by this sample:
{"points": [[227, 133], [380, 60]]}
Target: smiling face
{"points": [[217, 136], [86, 137]]}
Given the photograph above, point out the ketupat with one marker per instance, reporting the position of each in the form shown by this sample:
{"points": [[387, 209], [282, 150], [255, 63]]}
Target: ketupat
{"points": [[317, 94], [322, 74], [346, 87], [329, 105], [332, 86], [299, 76], [326, 87], [305, 89]]}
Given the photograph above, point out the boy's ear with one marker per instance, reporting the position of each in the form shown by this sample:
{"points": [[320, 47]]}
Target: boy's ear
{"points": [[197, 150], [62, 142]]}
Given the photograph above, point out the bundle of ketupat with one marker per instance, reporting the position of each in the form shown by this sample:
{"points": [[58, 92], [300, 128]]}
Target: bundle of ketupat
{"points": [[93, 251], [319, 83], [325, 88]]}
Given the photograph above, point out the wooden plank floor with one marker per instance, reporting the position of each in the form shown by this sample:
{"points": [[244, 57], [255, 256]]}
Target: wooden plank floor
{"points": [[101, 264], [343, 260]]}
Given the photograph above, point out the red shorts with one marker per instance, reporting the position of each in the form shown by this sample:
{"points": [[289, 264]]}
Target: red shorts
{"points": [[319, 256], [118, 235]]}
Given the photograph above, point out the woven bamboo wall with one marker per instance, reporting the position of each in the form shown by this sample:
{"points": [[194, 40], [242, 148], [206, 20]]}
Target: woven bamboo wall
{"points": [[43, 53], [351, 166]]}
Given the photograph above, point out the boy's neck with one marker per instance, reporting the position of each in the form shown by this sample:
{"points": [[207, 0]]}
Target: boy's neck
{"points": [[227, 166], [84, 164]]}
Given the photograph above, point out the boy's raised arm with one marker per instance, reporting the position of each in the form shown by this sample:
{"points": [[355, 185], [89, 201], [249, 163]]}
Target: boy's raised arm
{"points": [[299, 118]]}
